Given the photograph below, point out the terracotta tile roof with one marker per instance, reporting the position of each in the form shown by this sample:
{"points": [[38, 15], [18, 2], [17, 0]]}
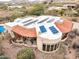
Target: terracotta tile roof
{"points": [[65, 26], [24, 31]]}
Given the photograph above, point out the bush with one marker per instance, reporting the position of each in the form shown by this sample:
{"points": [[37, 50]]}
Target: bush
{"points": [[4, 7], [52, 12], [74, 19], [26, 54], [36, 9]]}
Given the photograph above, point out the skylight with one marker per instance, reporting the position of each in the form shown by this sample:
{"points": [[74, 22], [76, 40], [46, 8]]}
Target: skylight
{"points": [[30, 23], [43, 20], [42, 29], [18, 21], [53, 30], [27, 21], [51, 20]]}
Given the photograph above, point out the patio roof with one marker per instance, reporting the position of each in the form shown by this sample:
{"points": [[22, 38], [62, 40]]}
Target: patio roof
{"points": [[65, 26], [26, 32]]}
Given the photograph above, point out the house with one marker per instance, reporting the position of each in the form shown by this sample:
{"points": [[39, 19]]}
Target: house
{"points": [[14, 6], [43, 32], [57, 8]]}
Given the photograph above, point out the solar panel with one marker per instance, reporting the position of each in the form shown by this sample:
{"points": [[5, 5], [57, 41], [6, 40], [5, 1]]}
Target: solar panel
{"points": [[27, 21], [42, 29], [18, 21], [53, 29], [51, 20], [30, 23], [43, 20]]}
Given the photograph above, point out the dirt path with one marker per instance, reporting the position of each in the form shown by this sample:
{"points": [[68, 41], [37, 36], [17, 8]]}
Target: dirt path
{"points": [[10, 50], [71, 54]]}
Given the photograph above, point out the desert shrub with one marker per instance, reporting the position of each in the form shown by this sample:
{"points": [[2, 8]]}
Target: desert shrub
{"points": [[36, 9], [52, 12], [4, 7], [74, 19], [26, 54]]}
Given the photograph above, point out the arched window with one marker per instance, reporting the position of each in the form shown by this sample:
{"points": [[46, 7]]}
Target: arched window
{"points": [[44, 47], [52, 47], [49, 47]]}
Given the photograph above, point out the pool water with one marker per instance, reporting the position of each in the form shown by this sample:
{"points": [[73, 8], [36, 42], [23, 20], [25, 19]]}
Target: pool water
{"points": [[2, 29]]}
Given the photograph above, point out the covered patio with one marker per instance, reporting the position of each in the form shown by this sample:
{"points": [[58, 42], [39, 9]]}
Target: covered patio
{"points": [[24, 35], [65, 26]]}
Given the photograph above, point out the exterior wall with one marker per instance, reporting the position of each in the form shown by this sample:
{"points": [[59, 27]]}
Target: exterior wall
{"points": [[64, 37], [24, 41], [41, 41], [75, 25], [20, 42], [9, 31], [14, 7]]}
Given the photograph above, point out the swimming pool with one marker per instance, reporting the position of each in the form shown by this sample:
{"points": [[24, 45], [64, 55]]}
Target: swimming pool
{"points": [[2, 29]]}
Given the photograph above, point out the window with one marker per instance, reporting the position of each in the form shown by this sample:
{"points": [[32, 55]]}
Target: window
{"points": [[55, 46], [53, 30], [42, 29], [44, 47], [52, 47], [48, 47]]}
